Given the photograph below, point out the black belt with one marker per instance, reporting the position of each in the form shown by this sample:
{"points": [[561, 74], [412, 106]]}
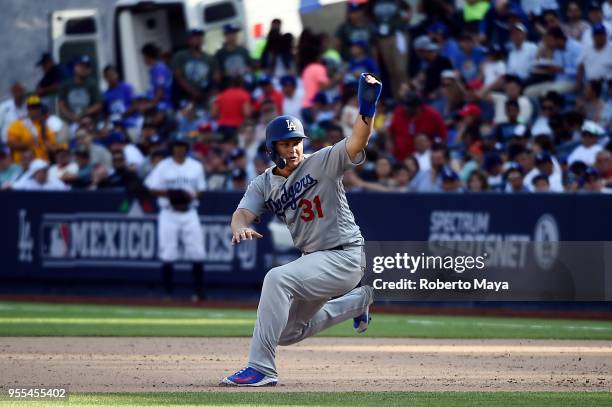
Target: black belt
{"points": [[340, 247]]}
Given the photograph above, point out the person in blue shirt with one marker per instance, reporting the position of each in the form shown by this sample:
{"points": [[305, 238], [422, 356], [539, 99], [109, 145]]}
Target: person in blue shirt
{"points": [[160, 78], [438, 33], [118, 98], [564, 64], [360, 61], [470, 57]]}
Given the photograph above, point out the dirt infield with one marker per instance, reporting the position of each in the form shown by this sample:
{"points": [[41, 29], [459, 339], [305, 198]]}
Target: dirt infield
{"points": [[318, 364]]}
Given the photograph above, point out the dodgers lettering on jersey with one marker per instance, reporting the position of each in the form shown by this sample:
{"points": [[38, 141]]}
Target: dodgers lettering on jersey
{"points": [[290, 196], [169, 174], [311, 201]]}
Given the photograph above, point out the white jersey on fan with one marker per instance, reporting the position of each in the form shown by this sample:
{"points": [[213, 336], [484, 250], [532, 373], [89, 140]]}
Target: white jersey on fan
{"points": [[169, 174]]}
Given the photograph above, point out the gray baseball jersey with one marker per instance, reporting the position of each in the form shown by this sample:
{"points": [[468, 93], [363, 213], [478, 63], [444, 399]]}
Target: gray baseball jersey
{"points": [[311, 201]]}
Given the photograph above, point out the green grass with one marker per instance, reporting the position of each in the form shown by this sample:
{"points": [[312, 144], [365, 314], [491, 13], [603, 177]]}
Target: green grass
{"points": [[416, 399], [33, 319]]}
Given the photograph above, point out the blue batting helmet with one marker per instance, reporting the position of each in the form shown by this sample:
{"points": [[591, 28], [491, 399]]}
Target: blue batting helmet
{"points": [[282, 128]]}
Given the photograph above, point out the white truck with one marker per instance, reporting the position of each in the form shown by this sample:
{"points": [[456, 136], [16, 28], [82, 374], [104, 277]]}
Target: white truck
{"points": [[134, 23]]}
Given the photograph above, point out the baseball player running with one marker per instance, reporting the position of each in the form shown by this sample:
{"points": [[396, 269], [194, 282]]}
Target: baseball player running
{"points": [[306, 192], [178, 181]]}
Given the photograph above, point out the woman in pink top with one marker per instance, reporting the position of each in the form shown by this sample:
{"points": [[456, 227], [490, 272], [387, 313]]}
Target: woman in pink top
{"points": [[314, 78]]}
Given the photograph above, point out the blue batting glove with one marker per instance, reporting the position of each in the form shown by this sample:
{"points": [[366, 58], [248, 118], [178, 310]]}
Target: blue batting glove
{"points": [[368, 94]]}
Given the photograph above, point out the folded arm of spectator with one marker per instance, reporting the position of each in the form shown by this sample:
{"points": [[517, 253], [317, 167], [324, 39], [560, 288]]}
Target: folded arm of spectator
{"points": [[182, 82], [66, 113]]}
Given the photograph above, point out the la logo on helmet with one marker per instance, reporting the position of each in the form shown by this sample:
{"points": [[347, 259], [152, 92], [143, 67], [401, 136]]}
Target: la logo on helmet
{"points": [[291, 126]]}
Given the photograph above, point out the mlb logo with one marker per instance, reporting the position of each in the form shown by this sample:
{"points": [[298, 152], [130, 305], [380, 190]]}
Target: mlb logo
{"points": [[55, 240]]}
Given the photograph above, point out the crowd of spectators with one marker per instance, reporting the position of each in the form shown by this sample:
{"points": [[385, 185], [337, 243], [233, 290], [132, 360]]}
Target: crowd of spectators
{"points": [[506, 96]]}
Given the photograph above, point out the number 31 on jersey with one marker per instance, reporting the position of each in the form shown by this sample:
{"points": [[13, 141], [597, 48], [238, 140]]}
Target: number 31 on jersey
{"points": [[310, 209]]}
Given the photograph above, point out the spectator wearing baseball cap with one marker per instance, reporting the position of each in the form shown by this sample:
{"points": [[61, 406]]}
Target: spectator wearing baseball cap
{"points": [[547, 165], [522, 54], [195, 71], [83, 177], [239, 179], [468, 129], [595, 61], [63, 163], [432, 74], [514, 179], [160, 79], [118, 99], [493, 165], [588, 149], [540, 183], [450, 181], [359, 62], [232, 59], [596, 16], [80, 96], [591, 181], [39, 180], [470, 57], [438, 33], [269, 92], [356, 27], [494, 67], [495, 26], [31, 133], [120, 176], [53, 76]]}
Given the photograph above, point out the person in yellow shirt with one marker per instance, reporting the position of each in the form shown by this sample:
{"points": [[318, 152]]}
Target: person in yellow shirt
{"points": [[29, 133]]}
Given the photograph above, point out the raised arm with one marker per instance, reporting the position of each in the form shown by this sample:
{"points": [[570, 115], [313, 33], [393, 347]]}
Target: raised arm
{"points": [[367, 94]]}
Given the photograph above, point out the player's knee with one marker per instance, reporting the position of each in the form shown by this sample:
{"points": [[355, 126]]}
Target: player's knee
{"points": [[274, 277], [293, 337]]}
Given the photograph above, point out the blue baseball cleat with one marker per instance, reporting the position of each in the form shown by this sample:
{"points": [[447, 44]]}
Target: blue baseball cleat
{"points": [[360, 323], [249, 377]]}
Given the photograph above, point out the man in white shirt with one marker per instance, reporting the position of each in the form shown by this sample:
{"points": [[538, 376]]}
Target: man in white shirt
{"points": [[595, 61], [587, 151], [134, 158], [512, 91], [63, 164], [422, 145], [545, 164], [177, 182], [12, 109], [564, 64], [39, 180], [596, 16], [523, 53], [292, 96]]}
